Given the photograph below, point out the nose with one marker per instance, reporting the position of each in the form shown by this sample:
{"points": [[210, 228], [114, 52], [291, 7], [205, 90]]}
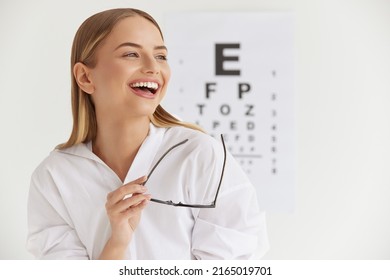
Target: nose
{"points": [[150, 65]]}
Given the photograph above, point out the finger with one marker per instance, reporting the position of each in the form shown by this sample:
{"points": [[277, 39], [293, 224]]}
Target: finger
{"points": [[139, 181], [132, 211], [130, 202], [135, 200], [123, 191]]}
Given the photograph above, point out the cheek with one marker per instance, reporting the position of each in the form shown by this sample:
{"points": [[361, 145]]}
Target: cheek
{"points": [[107, 75], [166, 73], [109, 70], [166, 70]]}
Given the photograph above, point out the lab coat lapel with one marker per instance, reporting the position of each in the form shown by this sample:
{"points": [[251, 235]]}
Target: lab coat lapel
{"points": [[146, 153]]}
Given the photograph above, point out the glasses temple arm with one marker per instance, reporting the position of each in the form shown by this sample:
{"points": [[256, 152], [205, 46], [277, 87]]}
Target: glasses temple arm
{"points": [[161, 158], [223, 170]]}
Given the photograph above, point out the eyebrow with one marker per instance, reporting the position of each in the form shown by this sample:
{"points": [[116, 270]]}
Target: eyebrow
{"points": [[130, 44]]}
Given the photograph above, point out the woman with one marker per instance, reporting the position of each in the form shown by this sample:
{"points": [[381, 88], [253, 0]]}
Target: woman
{"points": [[91, 197]]}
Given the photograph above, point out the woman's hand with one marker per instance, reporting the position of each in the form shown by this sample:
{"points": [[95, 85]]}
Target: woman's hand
{"points": [[124, 207]]}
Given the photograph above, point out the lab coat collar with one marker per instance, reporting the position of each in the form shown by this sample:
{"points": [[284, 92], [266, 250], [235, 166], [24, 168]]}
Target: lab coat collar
{"points": [[146, 153], [142, 160]]}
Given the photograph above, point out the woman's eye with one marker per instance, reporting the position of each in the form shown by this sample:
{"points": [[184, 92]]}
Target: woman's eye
{"points": [[161, 57], [130, 54]]}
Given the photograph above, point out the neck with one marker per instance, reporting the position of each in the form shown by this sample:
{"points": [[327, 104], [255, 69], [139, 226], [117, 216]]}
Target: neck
{"points": [[117, 143]]}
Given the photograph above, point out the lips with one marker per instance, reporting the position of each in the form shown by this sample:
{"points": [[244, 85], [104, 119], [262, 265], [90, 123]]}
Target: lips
{"points": [[146, 89]]}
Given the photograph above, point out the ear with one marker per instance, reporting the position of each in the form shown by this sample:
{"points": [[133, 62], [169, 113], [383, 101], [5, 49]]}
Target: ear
{"points": [[82, 75]]}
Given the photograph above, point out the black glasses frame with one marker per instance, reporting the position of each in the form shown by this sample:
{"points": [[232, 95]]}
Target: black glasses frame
{"points": [[180, 204]]}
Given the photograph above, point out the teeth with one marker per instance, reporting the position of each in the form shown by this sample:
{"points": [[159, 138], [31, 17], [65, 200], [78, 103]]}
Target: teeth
{"points": [[151, 85]]}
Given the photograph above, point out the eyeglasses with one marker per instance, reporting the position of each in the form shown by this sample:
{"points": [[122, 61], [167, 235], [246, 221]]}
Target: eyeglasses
{"points": [[180, 204]]}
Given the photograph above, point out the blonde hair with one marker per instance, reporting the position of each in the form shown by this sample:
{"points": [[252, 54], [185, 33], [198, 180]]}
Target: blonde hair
{"points": [[88, 37]]}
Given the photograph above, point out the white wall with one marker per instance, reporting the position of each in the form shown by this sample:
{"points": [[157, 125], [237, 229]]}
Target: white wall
{"points": [[342, 64]]}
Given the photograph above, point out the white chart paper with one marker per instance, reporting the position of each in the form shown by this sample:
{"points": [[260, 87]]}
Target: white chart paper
{"points": [[232, 73]]}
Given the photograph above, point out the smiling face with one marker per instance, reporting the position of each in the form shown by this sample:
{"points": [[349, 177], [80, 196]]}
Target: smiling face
{"points": [[131, 74]]}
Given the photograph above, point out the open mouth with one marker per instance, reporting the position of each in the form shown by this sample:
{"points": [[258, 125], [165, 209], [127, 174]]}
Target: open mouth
{"points": [[147, 87]]}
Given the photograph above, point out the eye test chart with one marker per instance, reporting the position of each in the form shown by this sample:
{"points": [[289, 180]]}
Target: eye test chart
{"points": [[232, 73]]}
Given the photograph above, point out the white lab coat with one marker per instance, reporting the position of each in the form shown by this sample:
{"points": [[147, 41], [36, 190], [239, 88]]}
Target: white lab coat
{"points": [[66, 206]]}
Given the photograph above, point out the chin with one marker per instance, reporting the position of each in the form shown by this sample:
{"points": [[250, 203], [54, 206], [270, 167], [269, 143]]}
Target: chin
{"points": [[144, 111]]}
